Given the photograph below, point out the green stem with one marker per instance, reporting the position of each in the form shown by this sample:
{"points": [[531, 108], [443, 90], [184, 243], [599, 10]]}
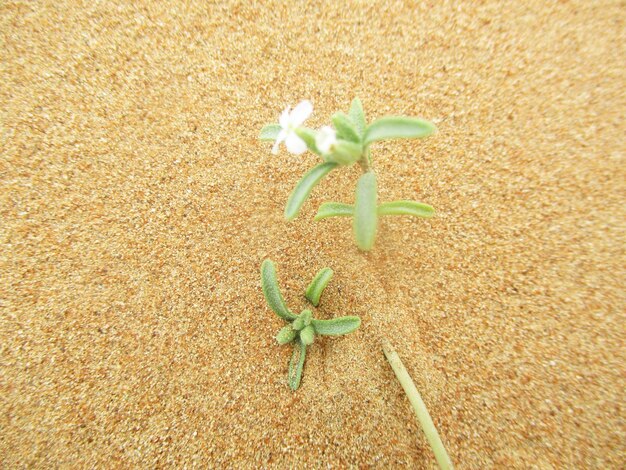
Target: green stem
{"points": [[366, 161], [418, 406]]}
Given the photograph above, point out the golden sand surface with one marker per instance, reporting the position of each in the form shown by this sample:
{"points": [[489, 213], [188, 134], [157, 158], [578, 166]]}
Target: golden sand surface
{"points": [[137, 206]]}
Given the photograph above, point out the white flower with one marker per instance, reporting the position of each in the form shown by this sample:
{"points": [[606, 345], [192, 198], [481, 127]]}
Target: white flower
{"points": [[290, 121], [325, 139]]}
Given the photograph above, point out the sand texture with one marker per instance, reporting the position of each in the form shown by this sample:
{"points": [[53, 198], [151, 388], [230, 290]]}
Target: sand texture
{"points": [[137, 205]]}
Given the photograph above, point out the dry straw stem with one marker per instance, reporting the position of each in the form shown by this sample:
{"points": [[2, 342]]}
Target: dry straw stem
{"points": [[418, 406]]}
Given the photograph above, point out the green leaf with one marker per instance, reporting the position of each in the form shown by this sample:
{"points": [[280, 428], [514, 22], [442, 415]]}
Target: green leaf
{"points": [[365, 215], [304, 188], [298, 324], [271, 291], [416, 209], [334, 209], [358, 116], [307, 336], [306, 316], [345, 127], [270, 132], [318, 284], [286, 335], [296, 364], [397, 127], [303, 320], [336, 326], [308, 135]]}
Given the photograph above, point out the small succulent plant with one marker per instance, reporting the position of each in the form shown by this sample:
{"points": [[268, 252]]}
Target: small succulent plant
{"points": [[344, 145], [303, 328]]}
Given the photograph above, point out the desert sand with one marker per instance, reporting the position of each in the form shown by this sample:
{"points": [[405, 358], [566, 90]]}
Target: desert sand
{"points": [[137, 206]]}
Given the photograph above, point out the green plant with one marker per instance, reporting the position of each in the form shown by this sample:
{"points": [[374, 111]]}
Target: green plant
{"points": [[344, 145], [303, 328]]}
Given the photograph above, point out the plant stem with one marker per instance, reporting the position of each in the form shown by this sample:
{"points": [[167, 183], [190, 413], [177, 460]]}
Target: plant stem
{"points": [[366, 161], [418, 406]]}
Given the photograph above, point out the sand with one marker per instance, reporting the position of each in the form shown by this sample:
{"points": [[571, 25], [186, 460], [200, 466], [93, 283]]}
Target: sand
{"points": [[137, 206]]}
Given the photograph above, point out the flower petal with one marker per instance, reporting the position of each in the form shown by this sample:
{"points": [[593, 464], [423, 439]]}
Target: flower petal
{"points": [[300, 113], [284, 118], [295, 144], [325, 138], [282, 135]]}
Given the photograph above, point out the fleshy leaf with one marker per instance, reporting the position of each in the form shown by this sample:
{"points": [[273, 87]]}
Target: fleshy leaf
{"points": [[397, 127], [345, 152], [345, 127], [334, 209], [304, 188], [271, 291], [306, 316], [414, 208], [318, 284], [270, 132], [303, 320], [307, 335], [296, 364], [286, 335], [358, 116], [336, 326], [365, 214], [308, 135], [298, 324]]}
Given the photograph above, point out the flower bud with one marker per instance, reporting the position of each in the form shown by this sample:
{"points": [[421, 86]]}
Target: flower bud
{"points": [[325, 139], [345, 152]]}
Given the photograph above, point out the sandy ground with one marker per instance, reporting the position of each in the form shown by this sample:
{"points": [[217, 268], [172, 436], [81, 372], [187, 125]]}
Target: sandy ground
{"points": [[137, 206]]}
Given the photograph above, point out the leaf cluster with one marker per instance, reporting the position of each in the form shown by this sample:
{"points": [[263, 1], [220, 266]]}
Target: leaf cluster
{"points": [[302, 329]]}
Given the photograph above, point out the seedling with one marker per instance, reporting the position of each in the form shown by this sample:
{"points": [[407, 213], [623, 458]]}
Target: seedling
{"points": [[303, 328], [345, 144]]}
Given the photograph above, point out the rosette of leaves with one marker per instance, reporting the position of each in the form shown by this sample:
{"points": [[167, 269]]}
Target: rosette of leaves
{"points": [[351, 144], [302, 329]]}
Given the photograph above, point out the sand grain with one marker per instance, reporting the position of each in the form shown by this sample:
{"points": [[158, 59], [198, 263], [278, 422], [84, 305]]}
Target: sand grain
{"points": [[137, 206]]}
